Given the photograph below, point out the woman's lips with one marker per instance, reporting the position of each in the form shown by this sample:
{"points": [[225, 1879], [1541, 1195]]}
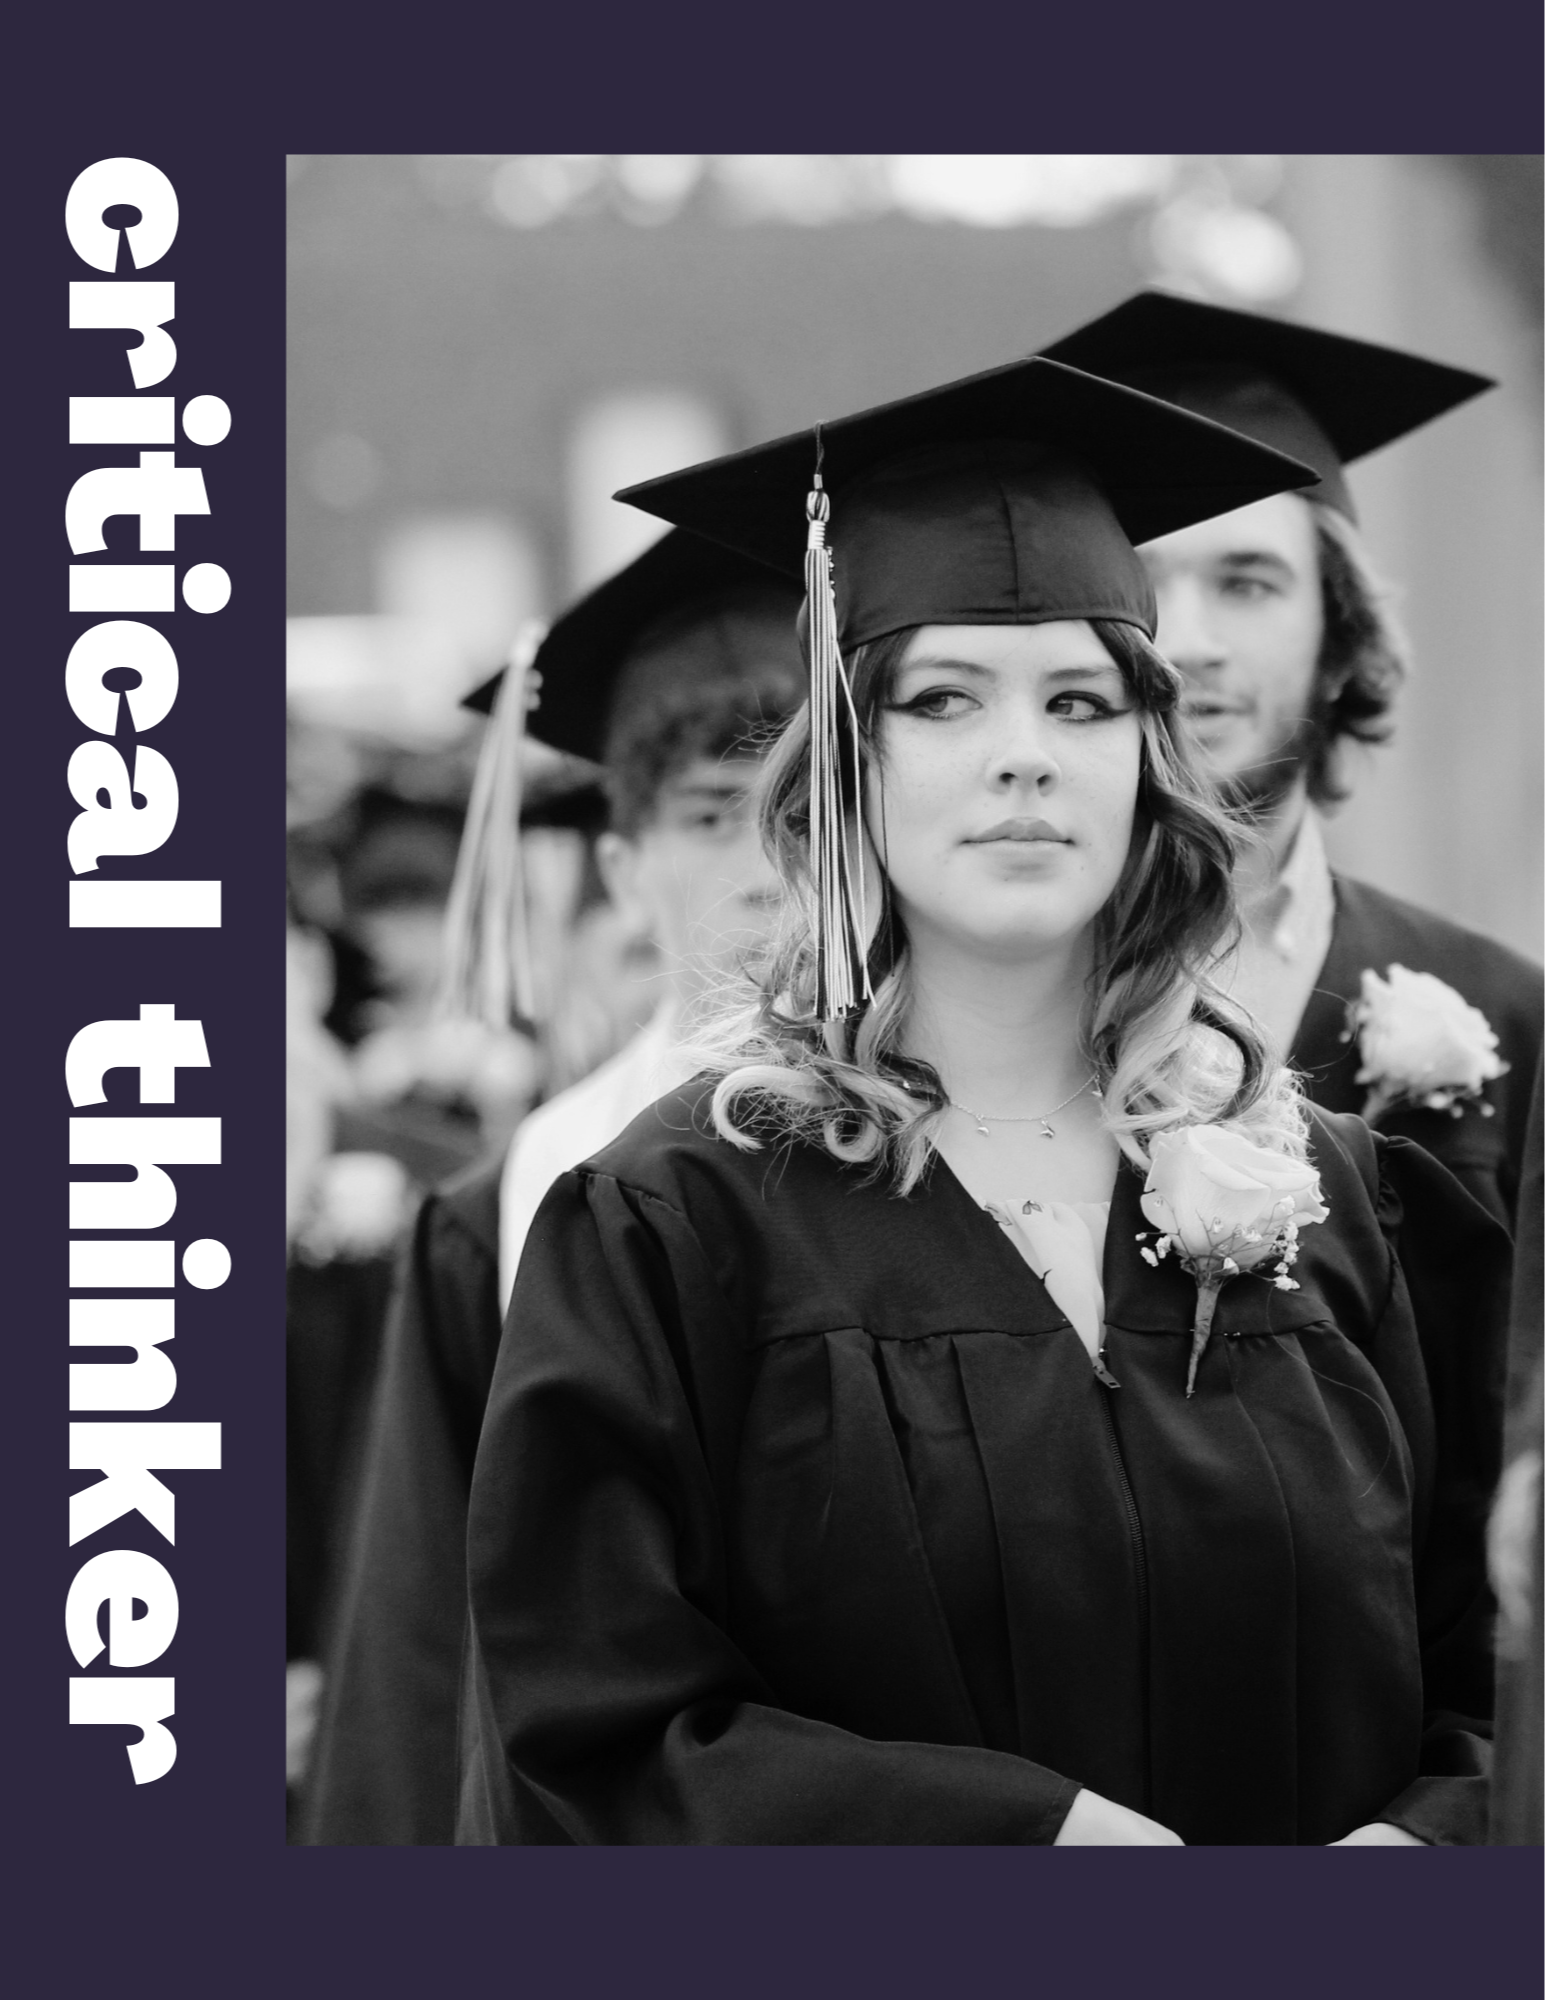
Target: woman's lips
{"points": [[1026, 830]]}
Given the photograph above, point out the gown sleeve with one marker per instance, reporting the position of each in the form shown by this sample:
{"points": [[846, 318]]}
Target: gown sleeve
{"points": [[611, 1683], [1453, 1267]]}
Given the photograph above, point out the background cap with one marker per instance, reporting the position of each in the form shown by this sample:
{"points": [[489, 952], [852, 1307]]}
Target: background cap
{"points": [[1320, 397], [686, 613]]}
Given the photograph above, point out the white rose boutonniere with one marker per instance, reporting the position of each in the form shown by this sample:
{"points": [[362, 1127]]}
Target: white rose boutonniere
{"points": [[1421, 1043], [1225, 1206]]}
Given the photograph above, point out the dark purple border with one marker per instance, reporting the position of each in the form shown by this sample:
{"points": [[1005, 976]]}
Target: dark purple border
{"points": [[183, 1886], [225, 740]]}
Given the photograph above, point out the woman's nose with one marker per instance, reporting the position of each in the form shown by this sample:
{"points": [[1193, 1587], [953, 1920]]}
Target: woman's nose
{"points": [[1024, 753], [1185, 632]]}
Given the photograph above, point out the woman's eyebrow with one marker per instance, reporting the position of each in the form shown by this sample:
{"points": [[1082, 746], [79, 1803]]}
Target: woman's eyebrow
{"points": [[1091, 672], [944, 663]]}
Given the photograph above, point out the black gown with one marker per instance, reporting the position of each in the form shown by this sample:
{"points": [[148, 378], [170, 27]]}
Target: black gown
{"points": [[1374, 930], [800, 1516], [333, 1318], [383, 1770]]}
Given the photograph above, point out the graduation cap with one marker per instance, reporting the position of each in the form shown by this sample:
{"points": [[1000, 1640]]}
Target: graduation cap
{"points": [[1320, 397], [1010, 497], [685, 622], [685, 615]]}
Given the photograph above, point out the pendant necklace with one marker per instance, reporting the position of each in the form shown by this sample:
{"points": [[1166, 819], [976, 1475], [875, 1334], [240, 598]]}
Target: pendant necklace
{"points": [[1043, 1118]]}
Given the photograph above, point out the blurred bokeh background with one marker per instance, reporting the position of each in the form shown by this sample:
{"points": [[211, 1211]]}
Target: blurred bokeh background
{"points": [[484, 347]]}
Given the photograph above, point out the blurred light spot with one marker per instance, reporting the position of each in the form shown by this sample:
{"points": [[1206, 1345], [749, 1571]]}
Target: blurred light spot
{"points": [[1240, 253], [478, 577], [530, 189], [653, 187], [807, 188], [343, 471], [389, 680], [619, 439], [360, 1203], [1002, 190]]}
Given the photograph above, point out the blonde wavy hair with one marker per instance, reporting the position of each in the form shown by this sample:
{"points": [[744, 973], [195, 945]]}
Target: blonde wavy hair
{"points": [[1165, 1044]]}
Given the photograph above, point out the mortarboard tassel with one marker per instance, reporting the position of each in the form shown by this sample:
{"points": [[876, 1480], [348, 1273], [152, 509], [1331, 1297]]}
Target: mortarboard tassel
{"points": [[488, 974], [841, 917]]}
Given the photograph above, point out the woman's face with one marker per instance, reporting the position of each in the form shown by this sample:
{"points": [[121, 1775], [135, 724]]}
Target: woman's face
{"points": [[1003, 796]]}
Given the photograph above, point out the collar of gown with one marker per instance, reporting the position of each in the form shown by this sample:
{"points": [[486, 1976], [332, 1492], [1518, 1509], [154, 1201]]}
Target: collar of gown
{"points": [[1138, 1297]]}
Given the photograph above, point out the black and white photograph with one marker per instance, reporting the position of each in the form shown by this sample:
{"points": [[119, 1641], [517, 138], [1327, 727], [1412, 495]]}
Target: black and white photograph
{"points": [[775, 1003], [913, 933]]}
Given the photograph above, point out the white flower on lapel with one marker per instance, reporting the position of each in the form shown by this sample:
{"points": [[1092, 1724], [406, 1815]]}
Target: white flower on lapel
{"points": [[1225, 1206], [1421, 1043]]}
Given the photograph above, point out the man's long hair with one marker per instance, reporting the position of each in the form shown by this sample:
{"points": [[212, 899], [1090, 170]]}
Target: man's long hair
{"points": [[1364, 656]]}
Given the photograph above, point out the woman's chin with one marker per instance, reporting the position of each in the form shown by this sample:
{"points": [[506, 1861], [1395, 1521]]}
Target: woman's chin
{"points": [[1014, 939]]}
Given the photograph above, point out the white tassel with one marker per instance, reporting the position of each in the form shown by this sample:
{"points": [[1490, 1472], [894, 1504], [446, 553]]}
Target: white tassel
{"points": [[488, 974], [841, 914]]}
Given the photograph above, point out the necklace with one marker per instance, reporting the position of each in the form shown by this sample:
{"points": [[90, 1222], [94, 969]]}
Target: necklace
{"points": [[1043, 1118]]}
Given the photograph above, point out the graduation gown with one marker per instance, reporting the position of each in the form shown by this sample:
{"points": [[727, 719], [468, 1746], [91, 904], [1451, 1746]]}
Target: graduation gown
{"points": [[333, 1316], [801, 1516], [1375, 930], [384, 1766], [384, 1770]]}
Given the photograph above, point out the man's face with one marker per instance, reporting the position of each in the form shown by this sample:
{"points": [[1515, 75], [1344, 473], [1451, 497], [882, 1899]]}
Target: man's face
{"points": [[1240, 615], [694, 879]]}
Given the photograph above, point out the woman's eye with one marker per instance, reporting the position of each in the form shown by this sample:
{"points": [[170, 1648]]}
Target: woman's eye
{"points": [[1248, 589], [938, 704], [1075, 707]]}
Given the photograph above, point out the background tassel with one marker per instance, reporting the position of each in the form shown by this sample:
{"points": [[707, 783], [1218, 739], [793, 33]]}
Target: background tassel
{"points": [[488, 974], [841, 917]]}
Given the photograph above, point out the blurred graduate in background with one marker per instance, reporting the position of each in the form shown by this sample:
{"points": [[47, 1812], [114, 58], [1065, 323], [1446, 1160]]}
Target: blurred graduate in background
{"points": [[384, 1100], [670, 677]]}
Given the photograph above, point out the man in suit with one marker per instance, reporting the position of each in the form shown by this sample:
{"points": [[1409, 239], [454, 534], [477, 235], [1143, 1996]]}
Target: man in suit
{"points": [[1288, 650], [670, 676]]}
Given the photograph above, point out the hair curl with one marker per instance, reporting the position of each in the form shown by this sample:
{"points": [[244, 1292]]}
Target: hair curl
{"points": [[1168, 1048]]}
